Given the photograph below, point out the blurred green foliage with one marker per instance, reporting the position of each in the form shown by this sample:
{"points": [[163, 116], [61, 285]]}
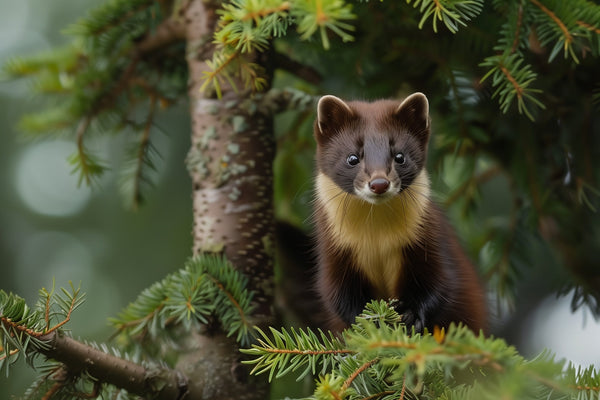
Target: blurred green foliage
{"points": [[513, 157]]}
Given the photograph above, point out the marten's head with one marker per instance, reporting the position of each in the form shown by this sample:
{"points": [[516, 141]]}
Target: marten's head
{"points": [[372, 150]]}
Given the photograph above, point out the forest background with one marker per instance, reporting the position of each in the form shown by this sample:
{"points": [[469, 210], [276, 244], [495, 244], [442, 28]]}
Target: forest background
{"points": [[53, 231]]}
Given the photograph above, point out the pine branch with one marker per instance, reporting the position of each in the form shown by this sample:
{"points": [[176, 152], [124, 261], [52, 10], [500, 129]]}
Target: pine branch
{"points": [[135, 177], [248, 27], [136, 379], [573, 27], [512, 80], [207, 288], [278, 100], [451, 12], [82, 360], [567, 37], [296, 68], [323, 15], [298, 348], [378, 357], [99, 82], [515, 30]]}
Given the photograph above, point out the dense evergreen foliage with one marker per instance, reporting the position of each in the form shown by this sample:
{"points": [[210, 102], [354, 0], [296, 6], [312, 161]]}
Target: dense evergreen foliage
{"points": [[514, 93]]}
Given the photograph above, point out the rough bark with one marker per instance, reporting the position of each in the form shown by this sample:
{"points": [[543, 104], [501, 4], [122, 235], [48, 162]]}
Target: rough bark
{"points": [[230, 162]]}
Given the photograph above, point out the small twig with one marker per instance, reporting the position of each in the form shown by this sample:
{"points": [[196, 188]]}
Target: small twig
{"points": [[10, 353], [518, 88], [355, 374], [168, 32], [403, 388], [307, 352], [478, 179], [215, 73], [378, 395], [81, 130], [122, 19], [285, 6], [393, 345], [47, 310], [37, 334], [128, 324], [52, 391], [92, 395], [142, 152], [561, 25], [515, 44], [231, 298], [151, 91], [588, 26], [65, 320], [294, 67]]}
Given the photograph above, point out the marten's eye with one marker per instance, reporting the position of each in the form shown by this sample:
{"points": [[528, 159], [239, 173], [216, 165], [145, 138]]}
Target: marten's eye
{"points": [[399, 158], [352, 160]]}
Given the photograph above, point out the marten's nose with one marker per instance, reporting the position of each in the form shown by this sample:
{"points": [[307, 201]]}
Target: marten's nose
{"points": [[379, 185]]}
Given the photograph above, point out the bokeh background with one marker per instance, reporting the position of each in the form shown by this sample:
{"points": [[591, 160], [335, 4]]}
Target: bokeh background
{"points": [[53, 232]]}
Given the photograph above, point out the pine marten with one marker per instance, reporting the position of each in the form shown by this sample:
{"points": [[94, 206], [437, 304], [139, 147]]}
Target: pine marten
{"points": [[378, 233]]}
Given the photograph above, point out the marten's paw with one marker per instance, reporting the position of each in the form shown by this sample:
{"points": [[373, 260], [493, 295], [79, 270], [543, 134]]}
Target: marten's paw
{"points": [[412, 320]]}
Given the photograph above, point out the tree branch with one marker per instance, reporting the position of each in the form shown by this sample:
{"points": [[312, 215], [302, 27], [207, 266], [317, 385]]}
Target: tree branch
{"points": [[156, 383], [294, 67], [169, 31]]}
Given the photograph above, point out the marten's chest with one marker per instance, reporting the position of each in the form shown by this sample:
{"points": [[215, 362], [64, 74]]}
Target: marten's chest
{"points": [[375, 235]]}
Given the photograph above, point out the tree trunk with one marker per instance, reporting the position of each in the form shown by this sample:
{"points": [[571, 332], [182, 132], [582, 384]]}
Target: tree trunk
{"points": [[230, 162]]}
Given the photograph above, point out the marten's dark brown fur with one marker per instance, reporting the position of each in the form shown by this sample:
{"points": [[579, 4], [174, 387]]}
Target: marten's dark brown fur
{"points": [[378, 234]]}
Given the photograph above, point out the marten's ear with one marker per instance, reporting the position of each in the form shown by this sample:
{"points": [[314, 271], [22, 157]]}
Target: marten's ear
{"points": [[413, 113], [332, 114]]}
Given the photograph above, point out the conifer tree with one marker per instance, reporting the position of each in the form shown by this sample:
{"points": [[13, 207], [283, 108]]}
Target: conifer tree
{"points": [[515, 94]]}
